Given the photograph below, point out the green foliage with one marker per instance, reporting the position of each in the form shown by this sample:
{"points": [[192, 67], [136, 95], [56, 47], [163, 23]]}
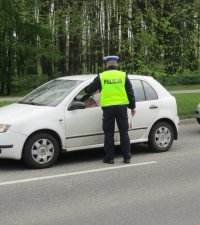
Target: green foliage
{"points": [[188, 77], [192, 79], [23, 85], [157, 38]]}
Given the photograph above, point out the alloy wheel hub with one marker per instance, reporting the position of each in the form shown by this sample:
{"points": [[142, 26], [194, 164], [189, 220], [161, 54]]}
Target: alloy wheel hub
{"points": [[163, 137], [42, 151]]}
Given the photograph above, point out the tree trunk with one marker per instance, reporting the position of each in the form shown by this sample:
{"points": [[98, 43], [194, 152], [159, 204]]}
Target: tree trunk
{"points": [[75, 35], [46, 63], [62, 38]]}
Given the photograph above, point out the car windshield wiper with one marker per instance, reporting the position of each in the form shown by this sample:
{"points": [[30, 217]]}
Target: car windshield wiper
{"points": [[31, 103]]}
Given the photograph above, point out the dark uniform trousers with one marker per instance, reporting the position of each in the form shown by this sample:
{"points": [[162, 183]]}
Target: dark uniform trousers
{"points": [[110, 114]]}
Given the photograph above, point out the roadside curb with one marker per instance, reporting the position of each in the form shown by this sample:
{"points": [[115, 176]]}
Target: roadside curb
{"points": [[188, 121]]}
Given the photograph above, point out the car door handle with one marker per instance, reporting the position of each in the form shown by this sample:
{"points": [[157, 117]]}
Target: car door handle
{"points": [[153, 107]]}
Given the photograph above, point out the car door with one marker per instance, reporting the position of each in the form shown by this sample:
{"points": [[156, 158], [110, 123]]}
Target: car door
{"points": [[147, 107], [84, 127]]}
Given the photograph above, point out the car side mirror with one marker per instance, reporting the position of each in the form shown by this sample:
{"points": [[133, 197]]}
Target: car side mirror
{"points": [[77, 105]]}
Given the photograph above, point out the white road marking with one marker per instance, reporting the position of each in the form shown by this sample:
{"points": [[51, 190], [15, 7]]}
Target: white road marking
{"points": [[74, 173]]}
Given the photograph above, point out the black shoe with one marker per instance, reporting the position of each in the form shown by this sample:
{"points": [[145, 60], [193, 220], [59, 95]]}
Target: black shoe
{"points": [[127, 160], [109, 161]]}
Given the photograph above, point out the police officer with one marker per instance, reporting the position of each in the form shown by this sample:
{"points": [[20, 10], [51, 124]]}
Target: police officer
{"points": [[116, 95]]}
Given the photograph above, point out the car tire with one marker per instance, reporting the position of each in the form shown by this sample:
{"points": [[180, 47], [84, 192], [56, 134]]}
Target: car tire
{"points": [[41, 151], [161, 137]]}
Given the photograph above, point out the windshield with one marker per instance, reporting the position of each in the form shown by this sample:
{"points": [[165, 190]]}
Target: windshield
{"points": [[50, 94]]}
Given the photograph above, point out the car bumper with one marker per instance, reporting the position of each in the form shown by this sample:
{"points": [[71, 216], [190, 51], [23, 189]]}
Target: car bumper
{"points": [[11, 145]]}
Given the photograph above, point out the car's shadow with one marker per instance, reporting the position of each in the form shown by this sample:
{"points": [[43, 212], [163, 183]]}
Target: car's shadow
{"points": [[96, 154], [11, 165], [75, 157]]}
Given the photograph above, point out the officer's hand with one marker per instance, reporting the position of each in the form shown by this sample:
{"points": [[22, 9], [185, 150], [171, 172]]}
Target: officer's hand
{"points": [[133, 111]]}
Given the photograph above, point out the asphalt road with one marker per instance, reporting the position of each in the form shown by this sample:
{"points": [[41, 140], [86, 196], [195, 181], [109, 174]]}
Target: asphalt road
{"points": [[155, 189]]}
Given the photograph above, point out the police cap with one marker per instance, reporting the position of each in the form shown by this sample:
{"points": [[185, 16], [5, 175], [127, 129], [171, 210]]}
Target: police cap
{"points": [[112, 58]]}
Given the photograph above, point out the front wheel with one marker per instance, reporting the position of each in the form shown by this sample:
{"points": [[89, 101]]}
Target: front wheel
{"points": [[161, 137], [40, 151]]}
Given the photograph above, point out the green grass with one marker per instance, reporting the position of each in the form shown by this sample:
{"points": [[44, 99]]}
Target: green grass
{"points": [[183, 87], [4, 103], [187, 104]]}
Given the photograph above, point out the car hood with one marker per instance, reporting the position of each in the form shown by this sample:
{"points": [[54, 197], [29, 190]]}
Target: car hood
{"points": [[15, 112]]}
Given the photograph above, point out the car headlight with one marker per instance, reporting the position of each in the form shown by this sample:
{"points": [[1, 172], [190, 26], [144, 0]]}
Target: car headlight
{"points": [[4, 127]]}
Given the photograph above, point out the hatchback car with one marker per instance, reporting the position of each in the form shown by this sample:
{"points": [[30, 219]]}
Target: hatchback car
{"points": [[60, 116], [197, 112]]}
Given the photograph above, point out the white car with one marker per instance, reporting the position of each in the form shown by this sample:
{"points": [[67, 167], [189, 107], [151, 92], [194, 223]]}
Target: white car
{"points": [[54, 117], [197, 112]]}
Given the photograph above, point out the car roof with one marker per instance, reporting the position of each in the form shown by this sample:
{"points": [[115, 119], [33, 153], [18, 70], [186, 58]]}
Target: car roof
{"points": [[78, 77], [85, 77]]}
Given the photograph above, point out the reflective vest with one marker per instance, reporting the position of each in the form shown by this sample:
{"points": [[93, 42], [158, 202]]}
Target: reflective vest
{"points": [[113, 88]]}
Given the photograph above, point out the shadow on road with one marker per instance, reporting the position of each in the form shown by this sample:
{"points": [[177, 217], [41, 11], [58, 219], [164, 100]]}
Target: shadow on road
{"points": [[75, 157]]}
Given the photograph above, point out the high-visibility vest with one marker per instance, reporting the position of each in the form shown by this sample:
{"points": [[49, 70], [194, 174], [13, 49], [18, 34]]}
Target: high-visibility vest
{"points": [[113, 88]]}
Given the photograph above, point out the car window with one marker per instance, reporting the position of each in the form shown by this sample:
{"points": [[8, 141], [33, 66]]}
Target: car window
{"points": [[51, 93], [88, 100], [149, 92], [138, 90]]}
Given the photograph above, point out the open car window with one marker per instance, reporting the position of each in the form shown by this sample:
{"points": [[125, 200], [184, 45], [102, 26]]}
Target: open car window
{"points": [[88, 100]]}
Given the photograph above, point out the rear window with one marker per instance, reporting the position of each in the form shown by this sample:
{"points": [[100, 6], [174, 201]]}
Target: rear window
{"points": [[149, 92], [138, 90], [143, 91]]}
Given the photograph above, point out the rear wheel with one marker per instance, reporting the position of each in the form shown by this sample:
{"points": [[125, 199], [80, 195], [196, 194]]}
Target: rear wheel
{"points": [[161, 137], [41, 151]]}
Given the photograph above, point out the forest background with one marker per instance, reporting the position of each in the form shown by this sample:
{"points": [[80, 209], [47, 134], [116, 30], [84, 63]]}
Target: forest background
{"points": [[44, 39]]}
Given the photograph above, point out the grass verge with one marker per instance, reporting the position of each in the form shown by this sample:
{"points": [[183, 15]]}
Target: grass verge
{"points": [[183, 87], [4, 103], [187, 104]]}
